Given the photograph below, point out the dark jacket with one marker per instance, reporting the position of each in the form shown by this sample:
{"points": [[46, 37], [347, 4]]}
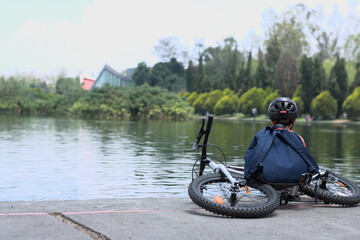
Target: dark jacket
{"points": [[279, 155]]}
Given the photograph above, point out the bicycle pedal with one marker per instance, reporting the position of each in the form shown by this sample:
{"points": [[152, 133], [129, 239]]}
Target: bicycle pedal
{"points": [[284, 198]]}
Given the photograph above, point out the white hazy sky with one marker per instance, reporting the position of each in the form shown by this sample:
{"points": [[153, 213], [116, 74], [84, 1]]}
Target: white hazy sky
{"points": [[45, 37]]}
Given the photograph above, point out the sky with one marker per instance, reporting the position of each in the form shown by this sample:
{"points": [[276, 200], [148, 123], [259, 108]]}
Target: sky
{"points": [[46, 37]]}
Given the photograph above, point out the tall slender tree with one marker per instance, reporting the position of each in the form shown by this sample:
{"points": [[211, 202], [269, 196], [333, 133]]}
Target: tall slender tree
{"points": [[307, 81], [338, 83], [190, 77], [261, 79], [248, 79]]}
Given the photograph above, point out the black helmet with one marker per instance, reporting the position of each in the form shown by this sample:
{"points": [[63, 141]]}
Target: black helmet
{"points": [[282, 107]]}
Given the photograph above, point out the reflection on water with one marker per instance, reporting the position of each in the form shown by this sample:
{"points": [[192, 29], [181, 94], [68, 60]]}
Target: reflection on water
{"points": [[60, 159]]}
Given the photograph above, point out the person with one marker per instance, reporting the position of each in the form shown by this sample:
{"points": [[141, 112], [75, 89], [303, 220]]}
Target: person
{"points": [[277, 154]]}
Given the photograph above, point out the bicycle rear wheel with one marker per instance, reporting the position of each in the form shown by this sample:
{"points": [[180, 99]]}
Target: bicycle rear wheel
{"points": [[335, 189], [214, 193]]}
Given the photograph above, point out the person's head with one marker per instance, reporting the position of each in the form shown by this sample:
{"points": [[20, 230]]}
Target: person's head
{"points": [[283, 110]]}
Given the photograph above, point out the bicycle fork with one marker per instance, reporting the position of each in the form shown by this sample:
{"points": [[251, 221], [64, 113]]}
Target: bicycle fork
{"points": [[232, 195]]}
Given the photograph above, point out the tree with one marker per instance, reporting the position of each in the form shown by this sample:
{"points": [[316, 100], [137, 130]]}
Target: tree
{"points": [[272, 54], [199, 103], [356, 82], [254, 98], [327, 41], [352, 47], [269, 98], [286, 74], [169, 75], [287, 42], [212, 99], [298, 100], [226, 105], [66, 85], [203, 82], [190, 78], [222, 64], [261, 77], [141, 74], [324, 105], [338, 83], [248, 80], [306, 81], [169, 48], [351, 104], [319, 77]]}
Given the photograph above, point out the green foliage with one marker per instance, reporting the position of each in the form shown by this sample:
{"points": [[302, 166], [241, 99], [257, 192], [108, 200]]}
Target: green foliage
{"points": [[199, 103], [142, 102], [351, 104], [68, 85], [269, 98], [261, 76], [141, 74], [191, 85], [298, 91], [306, 81], [21, 97], [192, 97], [356, 82], [248, 79], [300, 105], [169, 75], [298, 100], [338, 83], [324, 105], [254, 98], [222, 65], [212, 99], [226, 105]]}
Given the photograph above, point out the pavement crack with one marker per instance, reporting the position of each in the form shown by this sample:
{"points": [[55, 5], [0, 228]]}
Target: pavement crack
{"points": [[80, 227]]}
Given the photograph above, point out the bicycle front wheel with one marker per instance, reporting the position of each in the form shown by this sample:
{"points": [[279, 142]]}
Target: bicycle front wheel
{"points": [[213, 192], [334, 189]]}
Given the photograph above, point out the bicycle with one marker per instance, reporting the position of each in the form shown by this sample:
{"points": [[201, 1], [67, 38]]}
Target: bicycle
{"points": [[225, 191]]}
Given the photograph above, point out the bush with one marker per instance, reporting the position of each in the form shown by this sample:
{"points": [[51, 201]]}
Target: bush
{"points": [[212, 99], [227, 105], [351, 104], [300, 105], [199, 103], [324, 105], [270, 97], [192, 97], [254, 98]]}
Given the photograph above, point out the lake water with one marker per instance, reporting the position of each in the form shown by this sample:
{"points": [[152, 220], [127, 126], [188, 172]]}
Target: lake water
{"points": [[69, 159]]}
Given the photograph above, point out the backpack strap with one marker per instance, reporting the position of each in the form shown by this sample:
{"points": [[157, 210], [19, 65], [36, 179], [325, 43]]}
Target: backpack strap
{"points": [[262, 150], [300, 149]]}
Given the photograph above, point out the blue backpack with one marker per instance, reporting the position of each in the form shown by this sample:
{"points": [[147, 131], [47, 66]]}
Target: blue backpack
{"points": [[278, 156]]}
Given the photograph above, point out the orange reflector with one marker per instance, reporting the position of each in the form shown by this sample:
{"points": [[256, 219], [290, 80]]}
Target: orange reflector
{"points": [[341, 184], [247, 189], [219, 199]]}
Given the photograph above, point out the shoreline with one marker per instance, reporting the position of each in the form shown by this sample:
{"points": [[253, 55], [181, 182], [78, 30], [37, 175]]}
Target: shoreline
{"points": [[299, 120]]}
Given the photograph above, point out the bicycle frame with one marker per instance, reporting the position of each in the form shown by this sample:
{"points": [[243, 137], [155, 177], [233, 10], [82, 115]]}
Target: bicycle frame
{"points": [[207, 161]]}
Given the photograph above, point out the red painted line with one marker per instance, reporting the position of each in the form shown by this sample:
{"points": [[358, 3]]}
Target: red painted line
{"points": [[96, 212], [133, 211], [23, 214]]}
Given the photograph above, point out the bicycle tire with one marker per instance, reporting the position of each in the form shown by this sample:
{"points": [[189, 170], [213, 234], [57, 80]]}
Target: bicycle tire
{"points": [[203, 190], [338, 190]]}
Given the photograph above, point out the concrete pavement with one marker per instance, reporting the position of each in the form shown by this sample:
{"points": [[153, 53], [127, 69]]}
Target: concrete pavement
{"points": [[170, 218]]}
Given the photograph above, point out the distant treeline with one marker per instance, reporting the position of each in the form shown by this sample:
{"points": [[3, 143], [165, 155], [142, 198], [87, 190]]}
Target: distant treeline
{"points": [[219, 102], [23, 97], [283, 63]]}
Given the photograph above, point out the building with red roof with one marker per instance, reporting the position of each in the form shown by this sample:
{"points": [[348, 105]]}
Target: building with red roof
{"points": [[86, 82]]}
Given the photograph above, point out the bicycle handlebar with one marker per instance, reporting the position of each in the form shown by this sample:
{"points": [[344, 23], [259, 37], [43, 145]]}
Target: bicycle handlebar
{"points": [[203, 132]]}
